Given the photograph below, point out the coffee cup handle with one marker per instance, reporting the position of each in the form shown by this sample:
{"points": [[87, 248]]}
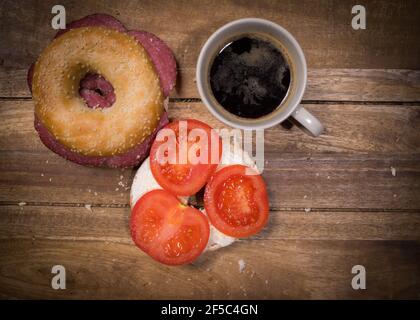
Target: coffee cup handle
{"points": [[306, 119]]}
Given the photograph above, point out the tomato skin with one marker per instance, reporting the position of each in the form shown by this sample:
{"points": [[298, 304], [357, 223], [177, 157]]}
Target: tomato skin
{"points": [[168, 231], [185, 179], [237, 203]]}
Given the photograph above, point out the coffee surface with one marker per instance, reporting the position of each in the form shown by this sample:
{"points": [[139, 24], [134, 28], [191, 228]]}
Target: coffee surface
{"points": [[250, 77]]}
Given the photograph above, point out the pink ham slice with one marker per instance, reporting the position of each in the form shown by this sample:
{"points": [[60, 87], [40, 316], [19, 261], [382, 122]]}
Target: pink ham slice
{"points": [[97, 19], [162, 57], [29, 76], [98, 92]]}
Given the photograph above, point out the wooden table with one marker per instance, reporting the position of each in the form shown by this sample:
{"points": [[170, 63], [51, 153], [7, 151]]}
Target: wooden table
{"points": [[363, 85]]}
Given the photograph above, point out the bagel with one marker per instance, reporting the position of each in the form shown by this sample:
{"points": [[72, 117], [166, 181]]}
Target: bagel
{"points": [[117, 57], [99, 92], [143, 182]]}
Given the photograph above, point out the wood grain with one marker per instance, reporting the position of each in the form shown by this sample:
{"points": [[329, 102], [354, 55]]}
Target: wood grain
{"points": [[363, 85], [358, 85], [348, 167], [294, 182], [322, 28], [107, 224], [288, 269], [349, 128]]}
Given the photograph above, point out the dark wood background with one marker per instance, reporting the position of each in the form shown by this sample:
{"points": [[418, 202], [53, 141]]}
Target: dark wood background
{"points": [[363, 85]]}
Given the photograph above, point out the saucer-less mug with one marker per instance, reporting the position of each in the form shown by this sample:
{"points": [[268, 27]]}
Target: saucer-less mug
{"points": [[289, 107]]}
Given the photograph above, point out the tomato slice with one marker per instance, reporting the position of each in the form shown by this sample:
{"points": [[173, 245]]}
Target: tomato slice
{"points": [[236, 202], [167, 230], [183, 162]]}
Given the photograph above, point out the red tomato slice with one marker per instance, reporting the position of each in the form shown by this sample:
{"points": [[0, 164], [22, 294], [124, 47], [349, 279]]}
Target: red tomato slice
{"points": [[235, 202], [182, 163], [167, 230]]}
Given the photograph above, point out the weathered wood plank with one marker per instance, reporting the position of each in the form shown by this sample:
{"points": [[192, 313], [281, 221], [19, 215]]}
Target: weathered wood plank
{"points": [[349, 168], [323, 30], [350, 128], [287, 269], [323, 84], [362, 85], [343, 182], [293, 182], [111, 224]]}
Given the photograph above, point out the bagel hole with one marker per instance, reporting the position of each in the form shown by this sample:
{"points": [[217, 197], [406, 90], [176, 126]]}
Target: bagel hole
{"points": [[96, 91]]}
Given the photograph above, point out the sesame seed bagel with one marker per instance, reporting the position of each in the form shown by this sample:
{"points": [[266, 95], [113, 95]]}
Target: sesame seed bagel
{"points": [[120, 59]]}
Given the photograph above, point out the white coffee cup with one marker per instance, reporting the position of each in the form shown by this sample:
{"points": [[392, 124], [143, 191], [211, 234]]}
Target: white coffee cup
{"points": [[290, 106]]}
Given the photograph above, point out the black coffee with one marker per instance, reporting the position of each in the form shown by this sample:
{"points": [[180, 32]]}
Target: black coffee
{"points": [[250, 77]]}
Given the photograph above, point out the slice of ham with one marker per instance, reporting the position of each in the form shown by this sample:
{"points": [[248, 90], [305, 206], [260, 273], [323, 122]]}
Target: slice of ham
{"points": [[96, 91], [97, 19], [162, 57], [30, 76]]}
